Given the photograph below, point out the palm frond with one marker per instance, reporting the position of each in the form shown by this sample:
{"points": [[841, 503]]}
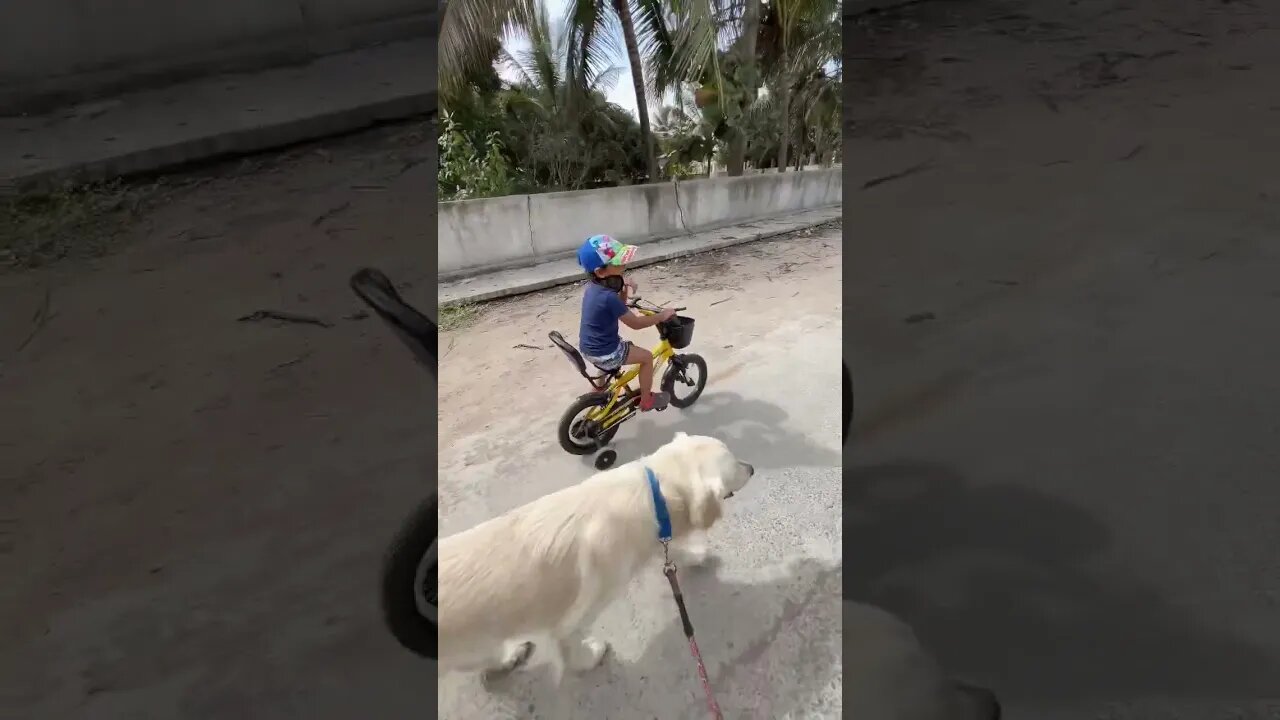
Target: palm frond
{"points": [[516, 66], [605, 80], [695, 54], [657, 41], [592, 40], [466, 34]]}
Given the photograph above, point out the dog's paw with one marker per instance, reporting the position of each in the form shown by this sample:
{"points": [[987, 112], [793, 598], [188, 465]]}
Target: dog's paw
{"points": [[698, 558], [695, 556], [517, 655], [692, 550], [588, 654], [709, 565]]}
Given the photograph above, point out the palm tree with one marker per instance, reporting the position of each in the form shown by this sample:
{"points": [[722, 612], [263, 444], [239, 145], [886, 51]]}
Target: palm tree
{"points": [[822, 114], [802, 35], [590, 21], [684, 135], [470, 36], [819, 95], [747, 57], [714, 46], [560, 102]]}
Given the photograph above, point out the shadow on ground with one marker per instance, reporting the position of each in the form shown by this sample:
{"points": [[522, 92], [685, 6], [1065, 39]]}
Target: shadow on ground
{"points": [[772, 649], [998, 580], [754, 429]]}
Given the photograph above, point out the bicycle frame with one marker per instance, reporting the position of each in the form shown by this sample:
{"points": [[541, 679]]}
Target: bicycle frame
{"points": [[615, 411]]}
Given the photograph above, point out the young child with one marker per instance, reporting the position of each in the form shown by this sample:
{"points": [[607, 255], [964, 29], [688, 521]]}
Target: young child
{"points": [[604, 306]]}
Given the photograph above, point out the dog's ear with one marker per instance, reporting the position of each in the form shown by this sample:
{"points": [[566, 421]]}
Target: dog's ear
{"points": [[704, 506], [680, 435]]}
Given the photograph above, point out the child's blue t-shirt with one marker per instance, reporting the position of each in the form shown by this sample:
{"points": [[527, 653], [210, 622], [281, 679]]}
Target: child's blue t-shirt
{"points": [[601, 309]]}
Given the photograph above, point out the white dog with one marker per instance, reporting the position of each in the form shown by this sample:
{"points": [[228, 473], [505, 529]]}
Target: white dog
{"points": [[550, 567]]}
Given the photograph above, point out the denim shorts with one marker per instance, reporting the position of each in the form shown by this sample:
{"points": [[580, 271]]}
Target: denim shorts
{"points": [[613, 360]]}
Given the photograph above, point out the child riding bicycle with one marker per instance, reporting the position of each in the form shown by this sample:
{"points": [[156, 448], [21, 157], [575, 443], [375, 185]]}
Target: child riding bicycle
{"points": [[604, 306]]}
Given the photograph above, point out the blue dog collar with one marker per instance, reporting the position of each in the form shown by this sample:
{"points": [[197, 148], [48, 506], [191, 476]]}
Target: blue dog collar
{"points": [[659, 507]]}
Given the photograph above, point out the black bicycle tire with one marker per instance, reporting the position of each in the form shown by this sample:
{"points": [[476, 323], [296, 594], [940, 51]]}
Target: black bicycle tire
{"points": [[398, 596], [847, 404], [669, 379], [400, 612], [563, 431]]}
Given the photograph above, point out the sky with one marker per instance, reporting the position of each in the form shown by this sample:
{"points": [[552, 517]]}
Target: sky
{"points": [[622, 93]]}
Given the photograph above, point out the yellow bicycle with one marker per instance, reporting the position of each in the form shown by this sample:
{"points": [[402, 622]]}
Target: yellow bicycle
{"points": [[593, 419]]}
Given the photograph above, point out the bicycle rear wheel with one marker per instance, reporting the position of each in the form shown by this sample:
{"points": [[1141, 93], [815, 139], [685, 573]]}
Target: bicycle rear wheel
{"points": [[409, 603], [577, 434], [848, 403]]}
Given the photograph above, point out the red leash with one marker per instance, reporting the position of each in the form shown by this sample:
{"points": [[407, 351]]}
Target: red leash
{"points": [[669, 569]]}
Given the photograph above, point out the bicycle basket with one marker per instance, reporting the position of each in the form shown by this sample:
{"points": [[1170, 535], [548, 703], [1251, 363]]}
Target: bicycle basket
{"points": [[678, 331]]}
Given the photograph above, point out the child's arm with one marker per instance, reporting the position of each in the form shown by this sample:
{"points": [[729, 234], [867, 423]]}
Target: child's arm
{"points": [[635, 321]]}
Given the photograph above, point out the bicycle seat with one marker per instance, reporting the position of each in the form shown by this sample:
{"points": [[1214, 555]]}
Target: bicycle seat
{"points": [[414, 328], [578, 361]]}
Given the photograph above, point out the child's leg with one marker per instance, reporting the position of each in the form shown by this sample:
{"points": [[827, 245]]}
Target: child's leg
{"points": [[648, 398]]}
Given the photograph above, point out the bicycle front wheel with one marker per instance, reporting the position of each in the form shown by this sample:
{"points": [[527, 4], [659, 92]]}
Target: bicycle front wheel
{"points": [[687, 374]]}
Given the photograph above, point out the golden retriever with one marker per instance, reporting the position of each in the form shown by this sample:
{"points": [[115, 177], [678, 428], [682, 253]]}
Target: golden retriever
{"points": [[548, 568]]}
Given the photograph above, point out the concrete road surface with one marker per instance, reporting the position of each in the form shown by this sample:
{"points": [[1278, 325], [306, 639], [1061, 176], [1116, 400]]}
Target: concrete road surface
{"points": [[193, 509], [1063, 326], [767, 613]]}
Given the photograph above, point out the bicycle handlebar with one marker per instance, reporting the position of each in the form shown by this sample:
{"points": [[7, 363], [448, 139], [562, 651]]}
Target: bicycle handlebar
{"points": [[635, 303]]}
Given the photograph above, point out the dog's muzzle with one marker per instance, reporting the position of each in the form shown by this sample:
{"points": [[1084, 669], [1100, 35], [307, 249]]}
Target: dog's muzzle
{"points": [[750, 472]]}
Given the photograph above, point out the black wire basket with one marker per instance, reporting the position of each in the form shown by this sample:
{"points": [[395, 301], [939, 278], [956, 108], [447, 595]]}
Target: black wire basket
{"points": [[678, 331]]}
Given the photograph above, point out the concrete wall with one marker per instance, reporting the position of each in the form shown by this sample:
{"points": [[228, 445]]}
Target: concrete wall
{"points": [[54, 51], [480, 235]]}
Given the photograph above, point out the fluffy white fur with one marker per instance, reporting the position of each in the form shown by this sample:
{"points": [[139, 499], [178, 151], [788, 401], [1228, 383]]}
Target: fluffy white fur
{"points": [[547, 569]]}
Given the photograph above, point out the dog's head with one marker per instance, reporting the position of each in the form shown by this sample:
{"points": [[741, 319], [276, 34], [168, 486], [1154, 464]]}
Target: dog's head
{"points": [[711, 475]]}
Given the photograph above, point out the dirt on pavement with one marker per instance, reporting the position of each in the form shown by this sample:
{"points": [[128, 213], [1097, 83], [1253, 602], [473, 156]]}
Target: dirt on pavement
{"points": [[193, 507], [997, 146], [502, 382]]}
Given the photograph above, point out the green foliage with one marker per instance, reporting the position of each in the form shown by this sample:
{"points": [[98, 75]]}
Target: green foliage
{"points": [[459, 316], [781, 78], [558, 131], [466, 173], [70, 221], [687, 141]]}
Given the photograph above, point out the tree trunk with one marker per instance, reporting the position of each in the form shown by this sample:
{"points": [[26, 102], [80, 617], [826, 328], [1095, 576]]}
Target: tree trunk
{"points": [[735, 156], [784, 100], [747, 54], [623, 8], [577, 85]]}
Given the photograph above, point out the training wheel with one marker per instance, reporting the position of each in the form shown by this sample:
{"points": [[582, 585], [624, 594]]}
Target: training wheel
{"points": [[605, 460]]}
